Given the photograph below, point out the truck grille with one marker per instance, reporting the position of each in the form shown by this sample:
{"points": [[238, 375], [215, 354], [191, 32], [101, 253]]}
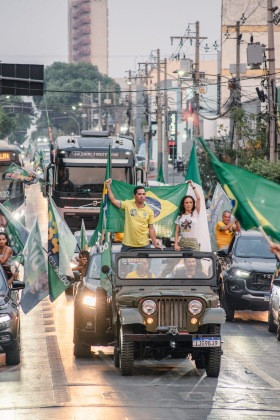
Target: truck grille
{"points": [[259, 282], [172, 312]]}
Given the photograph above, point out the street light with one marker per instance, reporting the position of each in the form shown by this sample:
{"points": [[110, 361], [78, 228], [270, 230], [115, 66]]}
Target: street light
{"points": [[66, 118]]}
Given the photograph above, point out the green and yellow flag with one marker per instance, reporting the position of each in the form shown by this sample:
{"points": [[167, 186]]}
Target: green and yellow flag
{"points": [[256, 200], [193, 169], [163, 200], [160, 176]]}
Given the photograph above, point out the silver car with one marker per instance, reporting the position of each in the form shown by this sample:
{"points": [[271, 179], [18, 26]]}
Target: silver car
{"points": [[274, 303]]}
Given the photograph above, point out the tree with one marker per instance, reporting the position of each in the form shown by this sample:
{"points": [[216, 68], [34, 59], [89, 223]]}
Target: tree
{"points": [[64, 98]]}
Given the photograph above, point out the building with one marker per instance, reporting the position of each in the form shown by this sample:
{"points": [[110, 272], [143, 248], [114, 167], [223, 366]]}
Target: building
{"points": [[88, 33]]}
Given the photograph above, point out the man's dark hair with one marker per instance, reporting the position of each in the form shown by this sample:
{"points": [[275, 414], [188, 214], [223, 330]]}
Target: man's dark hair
{"points": [[226, 211], [138, 188], [84, 254]]}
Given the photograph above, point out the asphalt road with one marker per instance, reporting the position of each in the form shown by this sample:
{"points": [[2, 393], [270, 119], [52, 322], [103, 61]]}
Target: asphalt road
{"points": [[50, 384]]}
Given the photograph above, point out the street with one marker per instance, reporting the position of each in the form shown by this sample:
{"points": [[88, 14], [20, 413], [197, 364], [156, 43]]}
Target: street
{"points": [[51, 383]]}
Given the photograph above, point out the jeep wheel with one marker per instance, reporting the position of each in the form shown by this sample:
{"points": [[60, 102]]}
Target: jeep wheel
{"points": [[200, 362], [213, 357], [271, 326], [13, 354], [228, 309], [81, 350], [101, 312], [278, 328], [126, 353]]}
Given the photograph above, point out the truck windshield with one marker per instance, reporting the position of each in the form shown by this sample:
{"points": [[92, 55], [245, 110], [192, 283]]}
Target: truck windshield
{"points": [[252, 247], [158, 267], [9, 188], [89, 178]]}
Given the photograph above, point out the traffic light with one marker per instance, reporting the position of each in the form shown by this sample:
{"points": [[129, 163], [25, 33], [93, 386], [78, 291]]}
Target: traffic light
{"points": [[21, 79]]}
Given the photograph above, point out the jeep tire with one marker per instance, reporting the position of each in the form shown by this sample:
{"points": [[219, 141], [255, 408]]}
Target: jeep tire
{"points": [[213, 356], [271, 326], [126, 353], [13, 354]]}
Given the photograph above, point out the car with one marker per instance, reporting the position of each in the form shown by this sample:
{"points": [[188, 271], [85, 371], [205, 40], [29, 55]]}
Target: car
{"points": [[140, 162], [274, 303], [92, 307], [165, 303], [246, 274], [9, 319]]}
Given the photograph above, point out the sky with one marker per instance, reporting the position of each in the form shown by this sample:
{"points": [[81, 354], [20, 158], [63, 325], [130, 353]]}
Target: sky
{"points": [[35, 31]]}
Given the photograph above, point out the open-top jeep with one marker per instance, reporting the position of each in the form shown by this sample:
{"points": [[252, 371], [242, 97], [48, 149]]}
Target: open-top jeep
{"points": [[165, 303]]}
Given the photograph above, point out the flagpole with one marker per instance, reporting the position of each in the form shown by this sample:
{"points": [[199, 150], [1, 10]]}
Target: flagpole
{"points": [[266, 237]]}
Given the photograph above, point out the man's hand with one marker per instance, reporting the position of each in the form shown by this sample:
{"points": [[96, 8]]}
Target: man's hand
{"points": [[177, 247], [108, 182], [275, 248]]}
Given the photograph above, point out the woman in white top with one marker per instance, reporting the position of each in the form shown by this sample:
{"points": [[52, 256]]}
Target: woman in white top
{"points": [[187, 221], [6, 253]]}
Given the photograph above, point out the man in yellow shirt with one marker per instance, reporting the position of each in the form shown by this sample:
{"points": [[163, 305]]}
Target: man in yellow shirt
{"points": [[139, 219], [142, 271], [225, 230]]}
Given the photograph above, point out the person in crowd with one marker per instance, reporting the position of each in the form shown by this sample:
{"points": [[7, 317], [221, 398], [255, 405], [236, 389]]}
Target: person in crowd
{"points": [[226, 229], [83, 260], [139, 219], [191, 269], [187, 222], [142, 271], [6, 253]]}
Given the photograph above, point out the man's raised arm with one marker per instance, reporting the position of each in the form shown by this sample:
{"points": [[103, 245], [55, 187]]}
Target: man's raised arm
{"points": [[111, 196]]}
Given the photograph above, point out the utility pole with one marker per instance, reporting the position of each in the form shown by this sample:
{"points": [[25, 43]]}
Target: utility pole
{"points": [[147, 123], [165, 148], [272, 107], [159, 113], [237, 96], [99, 107], [196, 74], [130, 119]]}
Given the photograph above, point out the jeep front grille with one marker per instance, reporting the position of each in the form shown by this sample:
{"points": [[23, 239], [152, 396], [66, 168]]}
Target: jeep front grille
{"points": [[172, 312]]}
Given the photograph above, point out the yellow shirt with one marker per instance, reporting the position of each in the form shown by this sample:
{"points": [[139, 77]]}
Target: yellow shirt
{"points": [[223, 238], [134, 275], [136, 226]]}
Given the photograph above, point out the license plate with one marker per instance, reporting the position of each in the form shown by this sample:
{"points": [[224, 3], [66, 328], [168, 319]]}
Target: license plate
{"points": [[266, 297], [206, 342]]}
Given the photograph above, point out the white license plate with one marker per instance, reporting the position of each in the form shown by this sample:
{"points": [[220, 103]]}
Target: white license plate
{"points": [[266, 297], [206, 342]]}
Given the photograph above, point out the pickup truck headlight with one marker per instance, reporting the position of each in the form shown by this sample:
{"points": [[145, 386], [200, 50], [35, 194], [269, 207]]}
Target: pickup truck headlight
{"points": [[195, 307], [242, 273], [149, 307], [4, 318], [89, 301]]}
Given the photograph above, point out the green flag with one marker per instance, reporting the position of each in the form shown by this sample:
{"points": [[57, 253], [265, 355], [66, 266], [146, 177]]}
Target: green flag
{"points": [[15, 172], [193, 170], [35, 271], [15, 230], [256, 200], [84, 242], [160, 177], [163, 200], [61, 247]]}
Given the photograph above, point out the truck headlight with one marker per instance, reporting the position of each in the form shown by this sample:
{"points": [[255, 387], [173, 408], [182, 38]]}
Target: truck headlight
{"points": [[149, 307], [4, 318], [242, 273], [89, 301], [195, 307]]}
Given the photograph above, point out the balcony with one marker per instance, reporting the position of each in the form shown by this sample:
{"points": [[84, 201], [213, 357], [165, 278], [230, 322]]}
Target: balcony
{"points": [[85, 40]]}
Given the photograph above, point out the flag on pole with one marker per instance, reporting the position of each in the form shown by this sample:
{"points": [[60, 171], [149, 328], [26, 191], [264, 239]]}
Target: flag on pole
{"points": [[15, 230], [15, 172], [160, 176], [84, 242], [193, 169], [256, 200], [35, 271], [220, 203], [61, 247]]}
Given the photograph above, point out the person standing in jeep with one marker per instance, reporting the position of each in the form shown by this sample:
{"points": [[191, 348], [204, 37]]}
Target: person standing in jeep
{"points": [[139, 219]]}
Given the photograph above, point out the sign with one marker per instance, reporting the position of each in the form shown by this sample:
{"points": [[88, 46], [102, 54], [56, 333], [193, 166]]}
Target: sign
{"points": [[172, 126], [21, 79], [5, 157], [85, 155]]}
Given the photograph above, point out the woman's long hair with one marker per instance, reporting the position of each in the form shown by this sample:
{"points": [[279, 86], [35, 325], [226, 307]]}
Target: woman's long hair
{"points": [[6, 236], [182, 207]]}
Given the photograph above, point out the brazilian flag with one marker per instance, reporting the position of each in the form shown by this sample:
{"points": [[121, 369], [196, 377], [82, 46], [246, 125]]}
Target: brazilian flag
{"points": [[163, 200], [193, 170], [256, 200]]}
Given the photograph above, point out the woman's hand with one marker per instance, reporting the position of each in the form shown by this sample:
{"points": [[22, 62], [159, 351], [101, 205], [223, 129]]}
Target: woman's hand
{"points": [[177, 247]]}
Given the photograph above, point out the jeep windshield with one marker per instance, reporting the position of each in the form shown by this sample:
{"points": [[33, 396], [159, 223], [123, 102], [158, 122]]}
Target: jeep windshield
{"points": [[165, 268], [252, 247]]}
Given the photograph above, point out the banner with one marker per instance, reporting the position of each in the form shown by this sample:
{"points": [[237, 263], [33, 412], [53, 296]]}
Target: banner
{"points": [[84, 242], [15, 172], [220, 203], [35, 271]]}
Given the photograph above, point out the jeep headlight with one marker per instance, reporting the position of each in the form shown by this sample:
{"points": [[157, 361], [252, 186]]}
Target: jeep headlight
{"points": [[242, 273], [195, 307], [149, 307], [89, 301]]}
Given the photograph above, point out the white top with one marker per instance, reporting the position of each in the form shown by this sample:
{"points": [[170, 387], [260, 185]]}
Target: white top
{"points": [[188, 224]]}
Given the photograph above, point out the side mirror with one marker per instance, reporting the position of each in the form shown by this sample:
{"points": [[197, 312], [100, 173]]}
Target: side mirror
{"points": [[276, 282], [105, 269], [77, 275], [18, 285]]}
